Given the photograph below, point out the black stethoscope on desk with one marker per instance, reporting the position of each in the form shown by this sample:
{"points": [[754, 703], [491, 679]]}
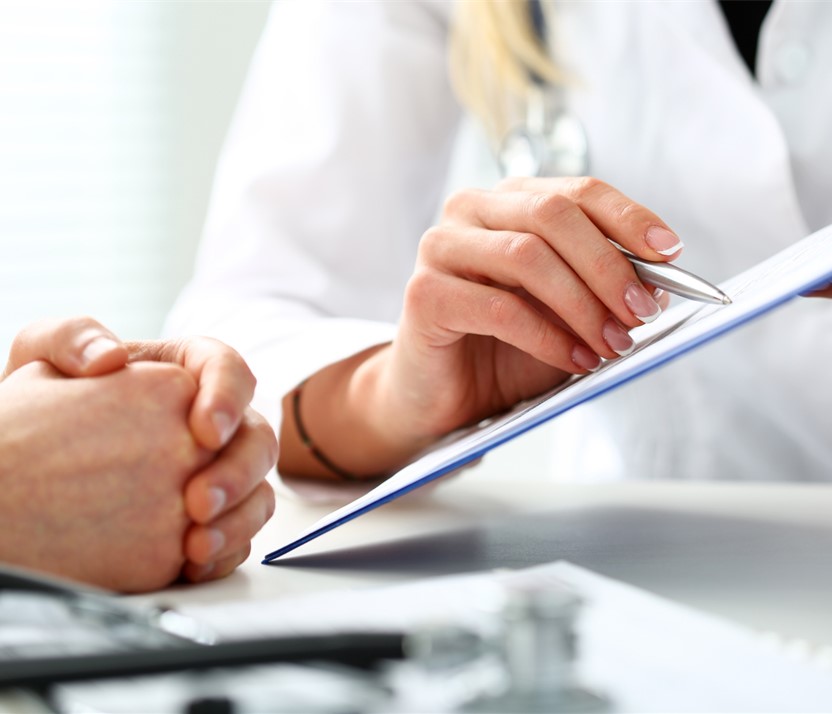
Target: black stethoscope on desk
{"points": [[552, 141]]}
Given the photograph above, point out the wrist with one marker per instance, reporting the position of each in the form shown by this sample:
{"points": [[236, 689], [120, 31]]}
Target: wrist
{"points": [[335, 424]]}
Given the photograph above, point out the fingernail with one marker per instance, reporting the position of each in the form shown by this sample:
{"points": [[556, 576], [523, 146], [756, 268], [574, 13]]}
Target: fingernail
{"points": [[663, 241], [642, 305], [216, 541], [95, 348], [585, 358], [224, 425], [200, 572], [617, 338], [216, 500]]}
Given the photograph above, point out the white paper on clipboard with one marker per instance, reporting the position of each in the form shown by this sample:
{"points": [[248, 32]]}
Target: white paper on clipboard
{"points": [[798, 269]]}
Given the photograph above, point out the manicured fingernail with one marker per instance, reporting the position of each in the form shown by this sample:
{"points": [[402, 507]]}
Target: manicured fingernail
{"points": [[663, 241], [216, 541], [97, 347], [224, 425], [585, 358], [617, 338], [216, 501], [642, 305]]}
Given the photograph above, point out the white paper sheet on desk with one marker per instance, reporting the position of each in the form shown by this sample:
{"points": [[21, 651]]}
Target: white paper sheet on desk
{"points": [[797, 269], [647, 653]]}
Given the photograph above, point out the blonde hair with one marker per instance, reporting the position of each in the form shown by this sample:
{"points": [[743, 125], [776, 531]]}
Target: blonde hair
{"points": [[494, 51]]}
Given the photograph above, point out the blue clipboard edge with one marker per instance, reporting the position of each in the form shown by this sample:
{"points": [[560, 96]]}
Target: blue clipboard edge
{"points": [[511, 434]]}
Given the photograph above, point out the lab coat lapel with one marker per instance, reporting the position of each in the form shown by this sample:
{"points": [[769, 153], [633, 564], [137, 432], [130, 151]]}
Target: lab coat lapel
{"points": [[671, 112], [703, 24]]}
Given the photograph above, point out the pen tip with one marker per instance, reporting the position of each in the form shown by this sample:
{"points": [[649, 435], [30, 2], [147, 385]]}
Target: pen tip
{"points": [[726, 300]]}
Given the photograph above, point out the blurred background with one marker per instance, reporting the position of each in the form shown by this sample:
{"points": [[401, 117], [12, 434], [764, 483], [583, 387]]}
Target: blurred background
{"points": [[112, 113]]}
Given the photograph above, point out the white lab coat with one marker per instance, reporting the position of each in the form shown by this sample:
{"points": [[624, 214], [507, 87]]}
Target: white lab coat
{"points": [[338, 160]]}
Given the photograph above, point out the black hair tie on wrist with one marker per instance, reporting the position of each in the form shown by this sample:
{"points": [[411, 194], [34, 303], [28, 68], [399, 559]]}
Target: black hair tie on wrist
{"points": [[310, 445]]}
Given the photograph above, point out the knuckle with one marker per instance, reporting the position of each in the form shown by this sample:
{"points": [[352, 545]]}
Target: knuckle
{"points": [[82, 322], [628, 213], [421, 289], [547, 208], [229, 356], [458, 202], [432, 239], [180, 383], [271, 502], [248, 375], [18, 346], [168, 385], [233, 366], [177, 348], [243, 553], [230, 563], [272, 446], [545, 341], [607, 262], [500, 309], [74, 326], [266, 445], [264, 508], [582, 186], [523, 249], [235, 480], [510, 183], [587, 304]]}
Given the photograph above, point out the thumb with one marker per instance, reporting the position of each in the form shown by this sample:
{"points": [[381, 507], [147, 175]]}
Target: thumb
{"points": [[77, 347]]}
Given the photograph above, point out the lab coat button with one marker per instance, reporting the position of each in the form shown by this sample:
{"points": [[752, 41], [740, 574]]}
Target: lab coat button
{"points": [[791, 63]]}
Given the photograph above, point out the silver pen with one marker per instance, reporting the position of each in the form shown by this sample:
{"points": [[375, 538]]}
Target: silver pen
{"points": [[676, 280]]}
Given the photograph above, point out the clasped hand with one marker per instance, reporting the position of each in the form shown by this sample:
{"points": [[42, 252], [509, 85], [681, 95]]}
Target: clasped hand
{"points": [[129, 465]]}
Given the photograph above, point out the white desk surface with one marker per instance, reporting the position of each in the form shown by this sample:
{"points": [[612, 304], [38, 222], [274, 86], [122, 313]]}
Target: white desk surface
{"points": [[760, 554]]}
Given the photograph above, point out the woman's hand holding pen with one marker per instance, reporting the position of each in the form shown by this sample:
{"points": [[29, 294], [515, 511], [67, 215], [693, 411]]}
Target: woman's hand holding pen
{"points": [[514, 290]]}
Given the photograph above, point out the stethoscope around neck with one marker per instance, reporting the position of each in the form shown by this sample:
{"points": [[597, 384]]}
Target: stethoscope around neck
{"points": [[552, 140]]}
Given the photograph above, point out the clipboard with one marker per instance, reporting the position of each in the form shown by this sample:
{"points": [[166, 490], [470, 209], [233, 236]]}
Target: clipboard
{"points": [[798, 269]]}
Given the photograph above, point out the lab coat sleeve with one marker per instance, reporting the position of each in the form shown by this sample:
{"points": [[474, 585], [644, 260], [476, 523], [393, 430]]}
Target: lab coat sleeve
{"points": [[333, 167]]}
